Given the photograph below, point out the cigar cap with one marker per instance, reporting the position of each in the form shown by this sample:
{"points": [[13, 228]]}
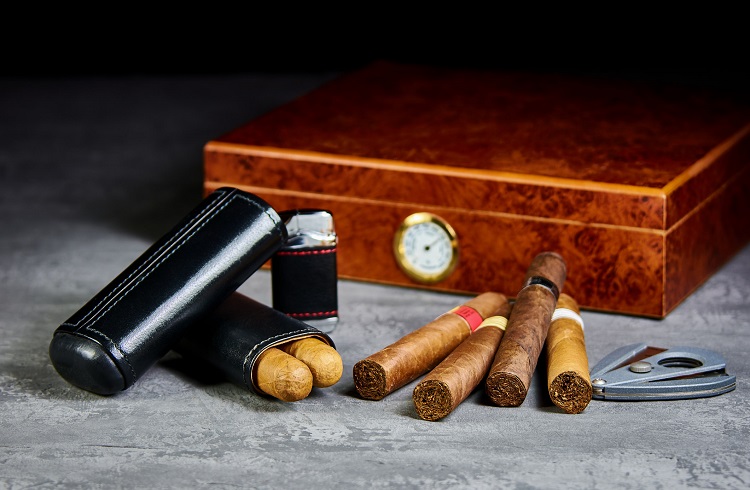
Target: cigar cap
{"points": [[548, 269]]}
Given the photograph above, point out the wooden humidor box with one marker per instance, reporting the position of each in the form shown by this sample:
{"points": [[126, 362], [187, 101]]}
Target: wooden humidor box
{"points": [[642, 188]]}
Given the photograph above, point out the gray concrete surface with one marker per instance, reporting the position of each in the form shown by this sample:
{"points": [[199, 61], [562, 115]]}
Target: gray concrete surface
{"points": [[93, 170]]}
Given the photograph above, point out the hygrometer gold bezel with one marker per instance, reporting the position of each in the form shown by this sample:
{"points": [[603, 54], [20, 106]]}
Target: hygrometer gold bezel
{"points": [[424, 222]]}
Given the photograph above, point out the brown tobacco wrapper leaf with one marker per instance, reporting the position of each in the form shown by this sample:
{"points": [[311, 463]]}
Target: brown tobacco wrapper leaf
{"points": [[323, 360], [283, 376], [441, 391], [510, 376], [421, 350], [568, 379]]}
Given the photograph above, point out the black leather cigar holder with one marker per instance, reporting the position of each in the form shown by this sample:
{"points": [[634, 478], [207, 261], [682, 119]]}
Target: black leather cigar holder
{"points": [[130, 324], [232, 338]]}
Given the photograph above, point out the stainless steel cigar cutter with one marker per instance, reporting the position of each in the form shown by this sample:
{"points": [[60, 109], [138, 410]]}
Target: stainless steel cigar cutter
{"points": [[640, 372]]}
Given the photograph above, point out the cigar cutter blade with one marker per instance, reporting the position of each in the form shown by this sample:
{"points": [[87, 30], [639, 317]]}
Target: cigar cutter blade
{"points": [[640, 372]]}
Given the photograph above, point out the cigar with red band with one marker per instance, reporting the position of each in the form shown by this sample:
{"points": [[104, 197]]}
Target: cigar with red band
{"points": [[456, 377], [421, 350]]}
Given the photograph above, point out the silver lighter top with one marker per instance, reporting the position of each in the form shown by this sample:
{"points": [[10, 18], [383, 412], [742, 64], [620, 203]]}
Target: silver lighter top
{"points": [[309, 228]]}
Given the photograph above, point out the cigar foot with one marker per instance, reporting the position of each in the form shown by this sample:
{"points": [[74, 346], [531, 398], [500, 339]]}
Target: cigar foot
{"points": [[570, 392], [369, 380], [283, 376], [432, 399], [505, 389], [323, 360]]}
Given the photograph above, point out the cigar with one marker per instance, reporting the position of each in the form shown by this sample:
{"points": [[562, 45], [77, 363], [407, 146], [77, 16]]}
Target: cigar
{"points": [[423, 349], [246, 341], [323, 361], [510, 375], [454, 379], [283, 376], [568, 380]]}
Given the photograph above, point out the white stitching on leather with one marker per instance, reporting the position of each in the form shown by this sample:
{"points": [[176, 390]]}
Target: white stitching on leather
{"points": [[214, 212], [116, 289]]}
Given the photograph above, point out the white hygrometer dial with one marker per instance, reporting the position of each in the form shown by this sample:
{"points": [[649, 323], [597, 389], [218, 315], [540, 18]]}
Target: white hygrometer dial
{"points": [[426, 248]]}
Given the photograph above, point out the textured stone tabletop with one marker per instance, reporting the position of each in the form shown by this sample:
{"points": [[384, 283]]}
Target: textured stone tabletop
{"points": [[93, 170]]}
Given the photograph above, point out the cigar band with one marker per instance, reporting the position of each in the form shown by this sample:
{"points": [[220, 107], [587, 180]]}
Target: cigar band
{"points": [[494, 321], [470, 315], [569, 314], [543, 281]]}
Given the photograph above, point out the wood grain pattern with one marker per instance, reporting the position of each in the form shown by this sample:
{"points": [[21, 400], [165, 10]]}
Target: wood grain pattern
{"points": [[707, 239], [615, 269], [694, 187], [585, 202], [579, 128], [635, 184]]}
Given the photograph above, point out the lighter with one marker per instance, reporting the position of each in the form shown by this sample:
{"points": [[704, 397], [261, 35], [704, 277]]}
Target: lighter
{"points": [[303, 271]]}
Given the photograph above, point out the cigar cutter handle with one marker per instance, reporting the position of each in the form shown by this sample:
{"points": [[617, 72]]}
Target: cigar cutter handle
{"points": [[640, 372]]}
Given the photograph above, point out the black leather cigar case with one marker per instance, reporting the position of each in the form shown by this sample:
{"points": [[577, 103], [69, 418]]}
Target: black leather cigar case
{"points": [[233, 337], [113, 339]]}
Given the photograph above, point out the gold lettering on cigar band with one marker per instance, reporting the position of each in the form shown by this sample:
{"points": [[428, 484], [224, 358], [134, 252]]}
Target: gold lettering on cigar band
{"points": [[567, 313], [495, 321]]}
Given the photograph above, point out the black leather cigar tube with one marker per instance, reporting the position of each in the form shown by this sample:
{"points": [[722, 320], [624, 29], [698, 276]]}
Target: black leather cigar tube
{"points": [[232, 338], [303, 271], [113, 339]]}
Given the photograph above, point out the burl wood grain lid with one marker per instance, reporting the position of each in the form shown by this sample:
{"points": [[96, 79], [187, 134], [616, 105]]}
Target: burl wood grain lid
{"points": [[651, 140]]}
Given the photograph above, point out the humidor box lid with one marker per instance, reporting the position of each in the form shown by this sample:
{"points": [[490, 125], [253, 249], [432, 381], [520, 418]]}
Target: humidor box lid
{"points": [[642, 186], [549, 146]]}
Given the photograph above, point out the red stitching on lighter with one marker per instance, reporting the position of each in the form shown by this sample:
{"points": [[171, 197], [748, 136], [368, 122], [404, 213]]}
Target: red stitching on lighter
{"points": [[307, 252], [318, 313]]}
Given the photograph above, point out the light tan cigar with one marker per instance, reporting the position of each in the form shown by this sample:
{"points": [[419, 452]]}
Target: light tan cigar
{"points": [[324, 361], [423, 349], [282, 376], [568, 379]]}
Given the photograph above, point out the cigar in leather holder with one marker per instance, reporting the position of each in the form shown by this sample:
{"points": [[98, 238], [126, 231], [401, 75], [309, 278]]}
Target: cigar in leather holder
{"points": [[107, 345], [262, 349]]}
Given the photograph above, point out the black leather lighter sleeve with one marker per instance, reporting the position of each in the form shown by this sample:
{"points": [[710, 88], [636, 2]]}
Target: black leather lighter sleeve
{"points": [[232, 338], [130, 324], [303, 272]]}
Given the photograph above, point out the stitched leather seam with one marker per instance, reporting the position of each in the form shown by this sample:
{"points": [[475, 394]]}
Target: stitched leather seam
{"points": [[118, 350], [116, 289], [156, 266], [212, 211], [263, 209], [255, 347]]}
